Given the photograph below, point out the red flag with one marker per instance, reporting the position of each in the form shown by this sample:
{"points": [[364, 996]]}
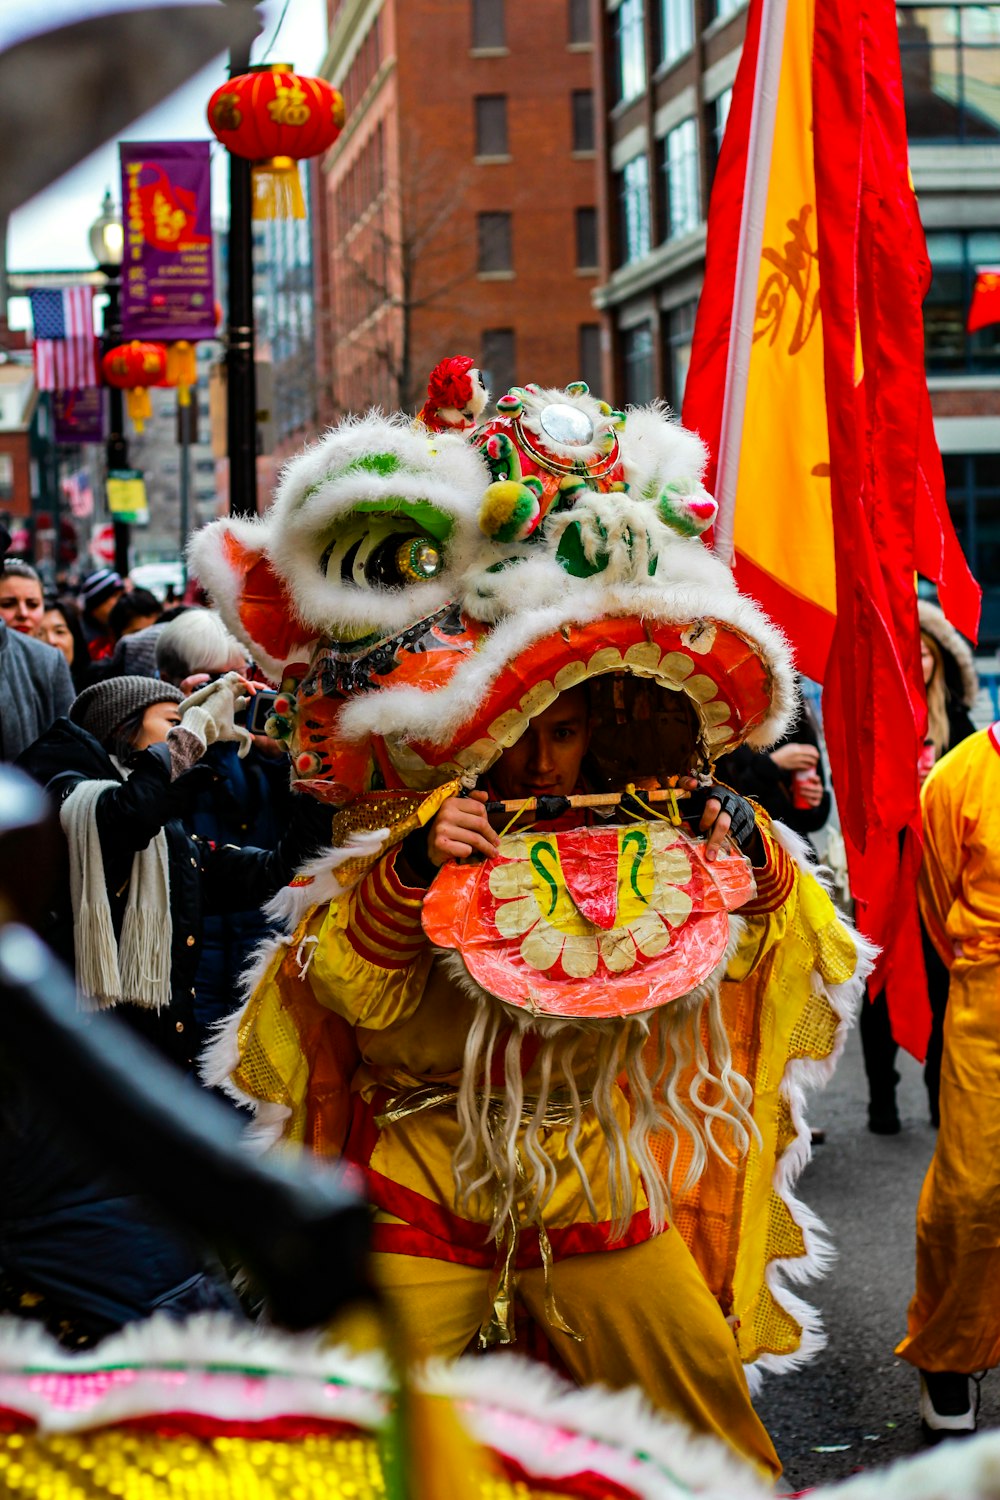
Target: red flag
{"points": [[855, 262], [984, 308]]}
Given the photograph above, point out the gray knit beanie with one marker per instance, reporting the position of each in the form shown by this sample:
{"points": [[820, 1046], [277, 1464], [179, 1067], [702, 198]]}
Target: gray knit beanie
{"points": [[101, 709], [135, 654]]}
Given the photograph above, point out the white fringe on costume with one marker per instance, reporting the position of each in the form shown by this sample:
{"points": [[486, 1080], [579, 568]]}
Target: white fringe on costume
{"points": [[512, 1406], [137, 967], [802, 1076]]}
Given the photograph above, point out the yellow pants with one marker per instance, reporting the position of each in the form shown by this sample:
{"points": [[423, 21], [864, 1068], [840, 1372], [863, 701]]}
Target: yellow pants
{"points": [[646, 1316], [954, 1318]]}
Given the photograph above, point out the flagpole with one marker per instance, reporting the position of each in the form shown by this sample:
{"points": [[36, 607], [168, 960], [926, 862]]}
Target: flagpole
{"points": [[751, 242]]}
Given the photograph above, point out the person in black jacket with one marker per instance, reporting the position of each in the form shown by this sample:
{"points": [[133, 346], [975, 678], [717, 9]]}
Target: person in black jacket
{"points": [[787, 780], [123, 768]]}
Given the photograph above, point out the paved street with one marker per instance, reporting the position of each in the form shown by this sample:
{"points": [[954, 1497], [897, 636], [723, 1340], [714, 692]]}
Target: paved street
{"points": [[854, 1407]]}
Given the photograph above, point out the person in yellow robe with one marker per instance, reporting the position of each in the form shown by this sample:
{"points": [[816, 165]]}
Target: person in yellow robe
{"points": [[954, 1317], [646, 1315]]}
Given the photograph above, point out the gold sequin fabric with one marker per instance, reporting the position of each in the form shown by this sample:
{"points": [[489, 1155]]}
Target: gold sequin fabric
{"points": [[366, 813], [128, 1464]]}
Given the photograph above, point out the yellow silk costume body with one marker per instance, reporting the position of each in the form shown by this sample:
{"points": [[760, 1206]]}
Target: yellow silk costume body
{"points": [[954, 1317], [355, 1036]]}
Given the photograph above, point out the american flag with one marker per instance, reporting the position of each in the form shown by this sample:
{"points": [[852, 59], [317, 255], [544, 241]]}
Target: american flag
{"points": [[65, 350], [79, 493]]}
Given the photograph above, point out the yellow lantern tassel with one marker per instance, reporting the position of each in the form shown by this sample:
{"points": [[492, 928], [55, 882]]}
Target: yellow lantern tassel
{"points": [[140, 408], [277, 191], [182, 369]]}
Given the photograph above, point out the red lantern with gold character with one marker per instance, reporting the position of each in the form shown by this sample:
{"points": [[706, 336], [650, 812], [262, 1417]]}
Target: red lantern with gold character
{"points": [[276, 118], [133, 368]]}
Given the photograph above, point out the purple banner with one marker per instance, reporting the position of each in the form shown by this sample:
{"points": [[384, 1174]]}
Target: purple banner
{"points": [[78, 416], [168, 287]]}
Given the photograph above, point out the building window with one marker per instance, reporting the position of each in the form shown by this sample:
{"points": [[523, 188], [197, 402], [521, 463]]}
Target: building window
{"points": [[491, 124], [955, 259], [586, 239], [950, 56], [579, 22], [721, 10], [6, 476], [583, 119], [497, 361], [680, 332], [630, 51], [589, 356], [680, 181], [637, 365], [633, 210], [676, 23], [488, 29], [972, 482], [494, 242], [717, 115]]}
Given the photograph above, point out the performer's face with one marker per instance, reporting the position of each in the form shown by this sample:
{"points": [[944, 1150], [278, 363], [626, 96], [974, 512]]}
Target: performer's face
{"points": [[546, 759]]}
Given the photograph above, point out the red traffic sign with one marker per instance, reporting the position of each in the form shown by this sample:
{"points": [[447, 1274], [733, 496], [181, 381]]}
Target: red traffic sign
{"points": [[102, 543]]}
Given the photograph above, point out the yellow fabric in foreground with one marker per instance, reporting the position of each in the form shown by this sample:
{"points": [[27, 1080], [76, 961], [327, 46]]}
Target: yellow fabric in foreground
{"points": [[645, 1315], [733, 1219], [954, 1318], [124, 1465]]}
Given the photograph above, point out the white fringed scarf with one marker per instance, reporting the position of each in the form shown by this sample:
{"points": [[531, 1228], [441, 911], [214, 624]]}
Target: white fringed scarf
{"points": [[136, 968]]}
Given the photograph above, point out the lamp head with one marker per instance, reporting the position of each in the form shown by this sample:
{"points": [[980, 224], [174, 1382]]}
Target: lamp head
{"points": [[107, 237]]}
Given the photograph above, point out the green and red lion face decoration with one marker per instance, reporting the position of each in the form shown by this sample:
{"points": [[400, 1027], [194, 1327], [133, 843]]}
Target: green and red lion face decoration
{"points": [[420, 595]]}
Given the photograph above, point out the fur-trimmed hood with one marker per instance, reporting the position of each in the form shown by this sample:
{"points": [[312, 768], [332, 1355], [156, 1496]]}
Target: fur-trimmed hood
{"points": [[963, 680]]}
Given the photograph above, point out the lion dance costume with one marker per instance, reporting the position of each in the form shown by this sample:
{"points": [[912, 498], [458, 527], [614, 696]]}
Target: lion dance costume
{"points": [[571, 1073]]}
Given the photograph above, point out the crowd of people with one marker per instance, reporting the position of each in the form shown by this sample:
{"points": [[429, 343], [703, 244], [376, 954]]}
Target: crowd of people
{"points": [[179, 825]]}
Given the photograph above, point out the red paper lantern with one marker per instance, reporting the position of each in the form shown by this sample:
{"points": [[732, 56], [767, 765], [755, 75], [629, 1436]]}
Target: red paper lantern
{"points": [[132, 368], [275, 118]]}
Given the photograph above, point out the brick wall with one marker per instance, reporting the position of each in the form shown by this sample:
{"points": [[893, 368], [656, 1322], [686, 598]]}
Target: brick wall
{"points": [[424, 218]]}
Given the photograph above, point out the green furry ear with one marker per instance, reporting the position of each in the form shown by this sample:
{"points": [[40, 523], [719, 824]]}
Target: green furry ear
{"points": [[375, 463]]}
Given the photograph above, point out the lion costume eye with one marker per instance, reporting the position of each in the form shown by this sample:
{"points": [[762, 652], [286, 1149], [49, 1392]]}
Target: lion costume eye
{"points": [[383, 556]]}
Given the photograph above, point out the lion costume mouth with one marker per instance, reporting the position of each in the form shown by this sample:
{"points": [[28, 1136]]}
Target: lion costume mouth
{"points": [[415, 710]]}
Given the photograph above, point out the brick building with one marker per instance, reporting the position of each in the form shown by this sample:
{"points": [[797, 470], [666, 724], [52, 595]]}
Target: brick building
{"points": [[458, 213], [664, 84], [19, 486]]}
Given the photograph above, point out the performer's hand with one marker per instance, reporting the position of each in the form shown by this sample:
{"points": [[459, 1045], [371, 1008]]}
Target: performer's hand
{"points": [[724, 813], [796, 757], [461, 828]]}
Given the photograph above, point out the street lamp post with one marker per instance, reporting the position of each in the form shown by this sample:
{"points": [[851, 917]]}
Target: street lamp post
{"points": [[107, 245], [241, 382]]}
